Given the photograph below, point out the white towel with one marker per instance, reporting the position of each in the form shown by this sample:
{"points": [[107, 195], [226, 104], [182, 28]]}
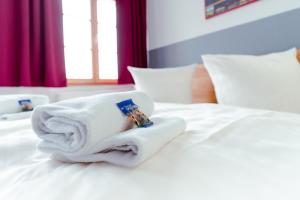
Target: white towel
{"points": [[128, 148], [75, 126], [9, 103], [16, 116]]}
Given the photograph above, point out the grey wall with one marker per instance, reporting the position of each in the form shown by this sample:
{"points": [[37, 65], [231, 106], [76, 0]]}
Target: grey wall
{"points": [[275, 33]]}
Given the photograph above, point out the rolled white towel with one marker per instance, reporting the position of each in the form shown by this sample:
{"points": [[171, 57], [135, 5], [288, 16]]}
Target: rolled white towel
{"points": [[128, 148], [10, 103], [75, 126]]}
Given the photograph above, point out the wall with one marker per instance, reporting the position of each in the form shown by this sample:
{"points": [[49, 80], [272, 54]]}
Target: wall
{"points": [[172, 21], [179, 33]]}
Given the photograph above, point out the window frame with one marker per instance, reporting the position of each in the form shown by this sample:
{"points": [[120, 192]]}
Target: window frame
{"points": [[95, 56]]}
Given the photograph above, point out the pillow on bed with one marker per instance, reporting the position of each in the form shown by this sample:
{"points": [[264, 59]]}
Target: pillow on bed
{"points": [[270, 81], [165, 85]]}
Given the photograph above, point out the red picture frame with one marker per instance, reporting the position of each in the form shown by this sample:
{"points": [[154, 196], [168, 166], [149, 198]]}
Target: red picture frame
{"points": [[215, 8]]}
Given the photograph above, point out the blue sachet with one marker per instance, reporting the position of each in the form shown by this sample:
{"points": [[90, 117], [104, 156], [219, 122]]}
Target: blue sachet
{"points": [[26, 105], [131, 110]]}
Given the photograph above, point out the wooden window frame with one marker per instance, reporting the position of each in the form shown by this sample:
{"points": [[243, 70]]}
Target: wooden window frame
{"points": [[95, 56]]}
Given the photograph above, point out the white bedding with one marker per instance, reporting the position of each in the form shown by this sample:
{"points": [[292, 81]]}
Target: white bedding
{"points": [[227, 153]]}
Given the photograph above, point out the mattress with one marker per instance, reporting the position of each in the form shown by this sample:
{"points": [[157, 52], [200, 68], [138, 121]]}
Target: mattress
{"points": [[226, 153]]}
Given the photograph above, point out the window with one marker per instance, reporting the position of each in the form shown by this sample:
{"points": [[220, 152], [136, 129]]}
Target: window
{"points": [[90, 36]]}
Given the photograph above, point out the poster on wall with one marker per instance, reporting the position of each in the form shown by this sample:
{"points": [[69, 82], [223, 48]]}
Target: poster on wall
{"points": [[217, 7]]}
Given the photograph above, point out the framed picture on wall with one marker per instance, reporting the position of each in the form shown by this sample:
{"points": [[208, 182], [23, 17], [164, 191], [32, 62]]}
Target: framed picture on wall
{"points": [[216, 7]]}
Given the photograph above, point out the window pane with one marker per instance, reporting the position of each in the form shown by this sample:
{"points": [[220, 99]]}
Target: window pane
{"points": [[77, 39], [78, 63], [77, 8], [107, 39]]}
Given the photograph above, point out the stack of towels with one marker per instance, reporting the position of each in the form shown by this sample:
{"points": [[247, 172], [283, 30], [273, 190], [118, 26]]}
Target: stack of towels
{"points": [[10, 109], [93, 129]]}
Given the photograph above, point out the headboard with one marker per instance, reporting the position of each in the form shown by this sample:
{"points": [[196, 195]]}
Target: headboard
{"points": [[202, 87]]}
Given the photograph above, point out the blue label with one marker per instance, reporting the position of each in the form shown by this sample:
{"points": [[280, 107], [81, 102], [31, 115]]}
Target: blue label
{"points": [[131, 110], [26, 105]]}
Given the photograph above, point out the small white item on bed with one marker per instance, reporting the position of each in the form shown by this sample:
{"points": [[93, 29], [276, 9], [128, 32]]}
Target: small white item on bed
{"points": [[16, 116], [165, 85], [74, 130], [266, 82], [11, 109]]}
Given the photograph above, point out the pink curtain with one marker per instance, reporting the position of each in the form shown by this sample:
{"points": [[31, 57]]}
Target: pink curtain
{"points": [[31, 43], [132, 36]]}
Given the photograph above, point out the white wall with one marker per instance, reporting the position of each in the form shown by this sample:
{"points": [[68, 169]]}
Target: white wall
{"points": [[172, 21]]}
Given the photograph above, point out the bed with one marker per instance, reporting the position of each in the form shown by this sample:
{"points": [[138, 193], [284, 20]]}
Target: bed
{"points": [[226, 152]]}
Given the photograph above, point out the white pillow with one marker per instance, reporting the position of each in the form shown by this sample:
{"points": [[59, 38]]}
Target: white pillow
{"points": [[268, 82], [165, 85]]}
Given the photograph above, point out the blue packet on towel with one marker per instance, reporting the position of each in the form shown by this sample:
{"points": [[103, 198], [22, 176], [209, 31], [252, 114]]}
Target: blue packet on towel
{"points": [[26, 105], [131, 110]]}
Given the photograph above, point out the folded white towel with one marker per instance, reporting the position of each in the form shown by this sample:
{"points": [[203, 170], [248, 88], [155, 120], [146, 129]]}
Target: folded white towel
{"points": [[75, 126], [128, 148], [9, 103], [16, 116]]}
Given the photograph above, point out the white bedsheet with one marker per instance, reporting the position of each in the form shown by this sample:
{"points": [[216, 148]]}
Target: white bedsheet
{"points": [[227, 153]]}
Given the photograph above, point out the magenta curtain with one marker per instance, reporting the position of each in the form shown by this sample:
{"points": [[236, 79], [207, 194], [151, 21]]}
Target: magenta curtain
{"points": [[132, 36], [31, 43]]}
